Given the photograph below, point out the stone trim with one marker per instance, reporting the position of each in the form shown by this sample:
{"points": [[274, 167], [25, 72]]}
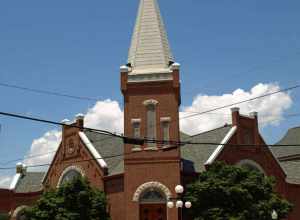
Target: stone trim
{"points": [[73, 167], [135, 120], [165, 119], [18, 210], [155, 185], [150, 102]]}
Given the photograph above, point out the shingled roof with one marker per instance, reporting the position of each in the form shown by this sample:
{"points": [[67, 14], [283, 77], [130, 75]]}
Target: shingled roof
{"points": [[149, 48], [292, 170], [289, 156], [30, 182], [291, 138], [108, 146], [195, 156]]}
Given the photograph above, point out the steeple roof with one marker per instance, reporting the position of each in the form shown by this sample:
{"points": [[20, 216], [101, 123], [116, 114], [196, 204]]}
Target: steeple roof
{"points": [[149, 51]]}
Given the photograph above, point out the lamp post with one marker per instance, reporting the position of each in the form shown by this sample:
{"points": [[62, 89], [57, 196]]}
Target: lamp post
{"points": [[178, 201], [274, 215]]}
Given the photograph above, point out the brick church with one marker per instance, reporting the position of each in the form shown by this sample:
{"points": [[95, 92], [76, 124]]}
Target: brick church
{"points": [[139, 183]]}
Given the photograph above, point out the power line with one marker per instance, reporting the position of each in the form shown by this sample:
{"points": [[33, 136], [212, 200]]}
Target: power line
{"points": [[114, 134], [241, 102], [28, 157], [48, 92], [58, 123], [178, 144]]}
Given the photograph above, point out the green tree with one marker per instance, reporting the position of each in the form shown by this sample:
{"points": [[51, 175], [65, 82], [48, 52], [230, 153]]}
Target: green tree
{"points": [[4, 216], [227, 192], [75, 200]]}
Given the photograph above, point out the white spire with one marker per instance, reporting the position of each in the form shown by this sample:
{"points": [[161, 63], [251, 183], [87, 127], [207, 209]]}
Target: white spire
{"points": [[149, 51]]}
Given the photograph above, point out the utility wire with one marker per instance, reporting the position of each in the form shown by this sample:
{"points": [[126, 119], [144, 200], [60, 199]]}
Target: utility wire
{"points": [[47, 92], [28, 157], [110, 137], [58, 123], [114, 134], [241, 102], [178, 144]]}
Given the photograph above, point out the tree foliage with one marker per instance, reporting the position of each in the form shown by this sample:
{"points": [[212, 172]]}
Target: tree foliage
{"points": [[4, 216], [227, 192], [75, 200]]}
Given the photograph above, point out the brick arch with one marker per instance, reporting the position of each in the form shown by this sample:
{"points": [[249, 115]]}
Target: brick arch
{"points": [[154, 185], [76, 168]]}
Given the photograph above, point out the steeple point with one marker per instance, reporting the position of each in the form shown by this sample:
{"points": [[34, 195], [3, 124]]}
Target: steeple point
{"points": [[150, 51]]}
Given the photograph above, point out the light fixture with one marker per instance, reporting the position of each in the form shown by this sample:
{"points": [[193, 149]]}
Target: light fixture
{"points": [[170, 205], [179, 189], [274, 215], [179, 204], [188, 205]]}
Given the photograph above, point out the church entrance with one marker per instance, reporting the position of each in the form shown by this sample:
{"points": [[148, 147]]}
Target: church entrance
{"points": [[153, 212], [153, 205]]}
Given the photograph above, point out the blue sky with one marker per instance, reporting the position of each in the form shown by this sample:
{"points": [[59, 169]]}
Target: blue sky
{"points": [[76, 47]]}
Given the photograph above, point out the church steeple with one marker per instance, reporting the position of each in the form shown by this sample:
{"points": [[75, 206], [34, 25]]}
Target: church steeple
{"points": [[150, 51]]}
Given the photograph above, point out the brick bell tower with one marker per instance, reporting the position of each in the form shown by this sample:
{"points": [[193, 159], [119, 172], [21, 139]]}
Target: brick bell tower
{"points": [[151, 88]]}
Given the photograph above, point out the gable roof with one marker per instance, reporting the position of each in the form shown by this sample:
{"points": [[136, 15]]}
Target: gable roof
{"points": [[195, 156], [292, 137], [30, 182]]}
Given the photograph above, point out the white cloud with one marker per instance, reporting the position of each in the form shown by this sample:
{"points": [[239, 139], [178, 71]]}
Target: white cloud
{"points": [[42, 149], [108, 115], [105, 115], [270, 108], [5, 181]]}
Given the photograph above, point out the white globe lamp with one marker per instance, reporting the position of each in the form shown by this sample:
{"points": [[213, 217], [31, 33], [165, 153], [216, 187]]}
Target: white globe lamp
{"points": [[179, 189], [179, 204], [188, 205], [170, 205]]}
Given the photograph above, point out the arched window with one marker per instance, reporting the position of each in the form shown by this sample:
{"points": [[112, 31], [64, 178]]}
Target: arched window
{"points": [[251, 165], [69, 174], [152, 196]]}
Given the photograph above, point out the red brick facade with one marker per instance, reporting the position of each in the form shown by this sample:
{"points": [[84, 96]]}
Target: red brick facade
{"points": [[157, 167]]}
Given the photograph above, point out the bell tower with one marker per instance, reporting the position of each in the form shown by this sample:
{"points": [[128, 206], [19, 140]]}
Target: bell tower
{"points": [[151, 88]]}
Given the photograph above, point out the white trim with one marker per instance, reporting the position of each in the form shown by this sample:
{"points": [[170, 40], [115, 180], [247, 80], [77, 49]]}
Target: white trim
{"points": [[19, 209], [165, 119], [150, 102], [154, 185], [216, 153], [92, 149], [15, 181], [135, 120]]}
